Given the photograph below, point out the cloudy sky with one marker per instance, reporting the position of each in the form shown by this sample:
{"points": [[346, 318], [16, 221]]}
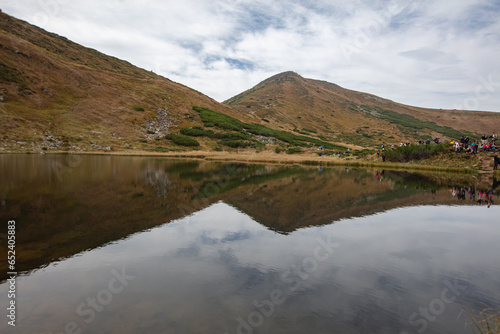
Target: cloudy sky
{"points": [[439, 54]]}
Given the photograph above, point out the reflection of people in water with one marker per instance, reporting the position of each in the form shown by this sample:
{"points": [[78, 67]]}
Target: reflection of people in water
{"points": [[380, 176], [486, 196], [481, 197], [462, 192], [472, 193]]}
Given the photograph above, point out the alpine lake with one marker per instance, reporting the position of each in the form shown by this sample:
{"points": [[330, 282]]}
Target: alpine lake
{"points": [[120, 244]]}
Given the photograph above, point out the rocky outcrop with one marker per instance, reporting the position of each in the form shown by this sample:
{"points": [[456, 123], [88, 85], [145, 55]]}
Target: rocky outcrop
{"points": [[159, 126]]}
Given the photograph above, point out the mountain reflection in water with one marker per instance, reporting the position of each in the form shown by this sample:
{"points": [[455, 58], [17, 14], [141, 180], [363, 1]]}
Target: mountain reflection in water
{"points": [[222, 247]]}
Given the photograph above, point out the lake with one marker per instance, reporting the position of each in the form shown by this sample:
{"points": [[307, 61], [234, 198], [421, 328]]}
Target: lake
{"points": [[108, 244]]}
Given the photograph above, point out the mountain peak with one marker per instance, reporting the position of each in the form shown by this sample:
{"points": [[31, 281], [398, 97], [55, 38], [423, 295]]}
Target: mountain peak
{"points": [[290, 102], [284, 76]]}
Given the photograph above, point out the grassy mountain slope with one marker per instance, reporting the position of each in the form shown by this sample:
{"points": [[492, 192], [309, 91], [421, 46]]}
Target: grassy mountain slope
{"points": [[292, 102], [60, 95]]}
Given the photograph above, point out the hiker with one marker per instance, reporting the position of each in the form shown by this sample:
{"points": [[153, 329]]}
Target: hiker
{"points": [[492, 146], [484, 139], [383, 156], [494, 136], [473, 148], [495, 162], [378, 154], [457, 147], [466, 142]]}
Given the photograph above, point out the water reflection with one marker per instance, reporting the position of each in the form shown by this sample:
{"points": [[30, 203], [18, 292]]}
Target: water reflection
{"points": [[219, 271], [189, 247]]}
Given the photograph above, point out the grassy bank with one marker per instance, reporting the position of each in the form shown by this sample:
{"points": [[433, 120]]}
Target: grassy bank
{"points": [[274, 158]]}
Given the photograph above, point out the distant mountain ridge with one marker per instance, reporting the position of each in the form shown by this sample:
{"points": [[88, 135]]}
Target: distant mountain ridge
{"points": [[292, 102]]}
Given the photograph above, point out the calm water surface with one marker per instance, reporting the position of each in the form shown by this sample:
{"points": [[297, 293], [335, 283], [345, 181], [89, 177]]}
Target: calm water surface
{"points": [[147, 245]]}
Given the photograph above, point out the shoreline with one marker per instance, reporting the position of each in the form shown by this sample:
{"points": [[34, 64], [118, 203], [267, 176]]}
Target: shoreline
{"points": [[272, 158]]}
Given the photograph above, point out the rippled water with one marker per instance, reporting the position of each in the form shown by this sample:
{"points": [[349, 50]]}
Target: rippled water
{"points": [[145, 245]]}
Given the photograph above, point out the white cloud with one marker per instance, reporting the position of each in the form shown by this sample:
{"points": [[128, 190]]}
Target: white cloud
{"points": [[426, 53]]}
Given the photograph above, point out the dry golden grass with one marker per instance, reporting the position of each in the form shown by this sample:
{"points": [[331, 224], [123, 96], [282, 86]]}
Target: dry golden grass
{"points": [[486, 321]]}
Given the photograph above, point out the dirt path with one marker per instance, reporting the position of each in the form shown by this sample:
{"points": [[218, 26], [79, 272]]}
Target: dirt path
{"points": [[486, 165]]}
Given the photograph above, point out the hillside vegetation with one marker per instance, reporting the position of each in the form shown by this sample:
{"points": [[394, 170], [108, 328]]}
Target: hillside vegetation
{"points": [[56, 95]]}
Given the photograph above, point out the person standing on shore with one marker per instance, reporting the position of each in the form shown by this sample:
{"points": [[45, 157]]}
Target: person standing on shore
{"points": [[495, 162], [484, 140], [473, 146]]}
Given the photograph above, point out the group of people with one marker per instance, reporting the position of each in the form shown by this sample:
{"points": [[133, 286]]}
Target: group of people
{"points": [[381, 153], [488, 143], [427, 142], [339, 154]]}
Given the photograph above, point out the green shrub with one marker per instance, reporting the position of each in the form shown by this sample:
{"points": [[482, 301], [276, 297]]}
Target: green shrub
{"points": [[211, 118], [236, 143], [214, 119], [414, 152], [328, 153], [362, 153], [233, 136], [278, 150], [182, 140], [199, 132], [293, 150], [160, 149], [196, 132], [138, 108], [149, 132]]}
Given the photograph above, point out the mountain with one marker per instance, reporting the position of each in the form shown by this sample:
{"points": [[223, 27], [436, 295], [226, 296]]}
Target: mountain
{"points": [[60, 95], [294, 103]]}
